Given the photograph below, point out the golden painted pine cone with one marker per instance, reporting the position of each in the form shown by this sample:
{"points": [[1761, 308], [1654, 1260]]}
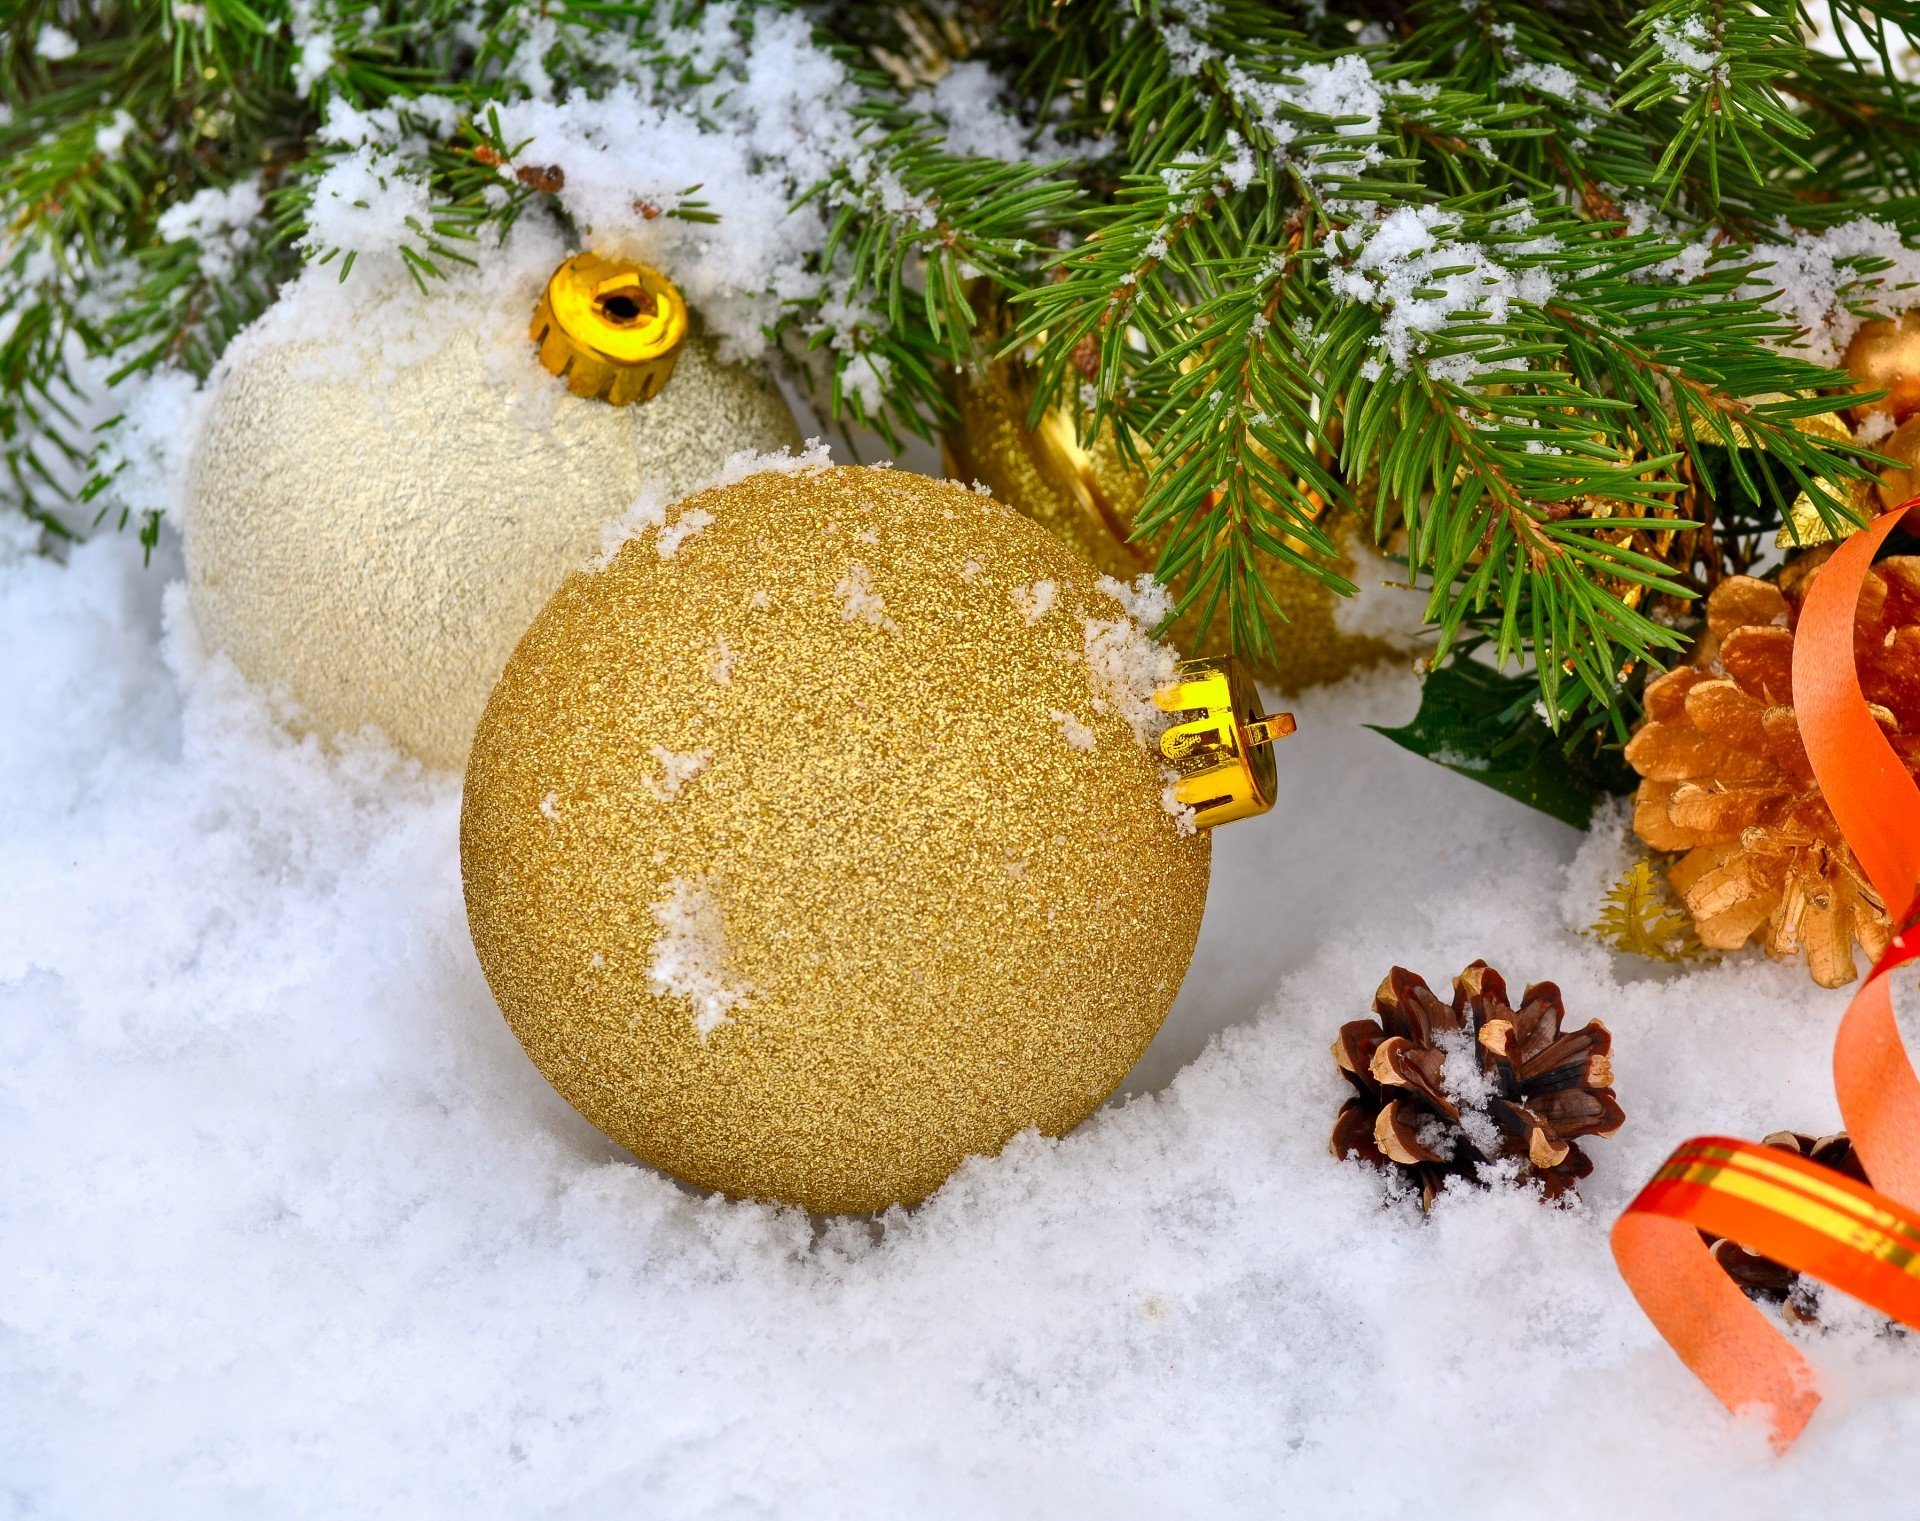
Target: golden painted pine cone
{"points": [[1726, 780], [1442, 1088]]}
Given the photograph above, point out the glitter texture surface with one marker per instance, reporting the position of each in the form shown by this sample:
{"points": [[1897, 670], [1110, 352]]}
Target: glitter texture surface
{"points": [[952, 922], [378, 547]]}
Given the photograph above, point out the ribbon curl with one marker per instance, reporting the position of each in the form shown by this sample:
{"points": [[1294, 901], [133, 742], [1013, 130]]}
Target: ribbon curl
{"points": [[1863, 1241]]}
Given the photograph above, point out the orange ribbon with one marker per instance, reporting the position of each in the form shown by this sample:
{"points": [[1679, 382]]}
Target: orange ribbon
{"points": [[1864, 1241]]}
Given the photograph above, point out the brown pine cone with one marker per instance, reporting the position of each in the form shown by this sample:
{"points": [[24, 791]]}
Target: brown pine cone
{"points": [[1443, 1088], [1761, 1277], [1726, 777]]}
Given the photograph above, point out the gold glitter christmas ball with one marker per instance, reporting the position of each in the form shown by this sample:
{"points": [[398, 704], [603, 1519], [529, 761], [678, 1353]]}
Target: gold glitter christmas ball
{"points": [[816, 843], [1087, 495], [374, 540]]}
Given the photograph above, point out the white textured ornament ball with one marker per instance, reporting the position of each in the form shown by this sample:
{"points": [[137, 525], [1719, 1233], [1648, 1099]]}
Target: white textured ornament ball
{"points": [[818, 841], [375, 540]]}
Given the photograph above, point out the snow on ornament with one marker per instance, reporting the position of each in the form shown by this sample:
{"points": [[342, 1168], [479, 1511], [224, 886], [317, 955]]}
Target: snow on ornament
{"points": [[934, 881], [382, 498]]}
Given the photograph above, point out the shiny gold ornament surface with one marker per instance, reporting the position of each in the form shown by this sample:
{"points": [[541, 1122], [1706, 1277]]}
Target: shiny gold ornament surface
{"points": [[819, 854], [373, 540], [1885, 356], [1087, 495], [613, 328], [1899, 482]]}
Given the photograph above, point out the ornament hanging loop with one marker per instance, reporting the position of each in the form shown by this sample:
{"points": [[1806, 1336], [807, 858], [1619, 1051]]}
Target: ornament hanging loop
{"points": [[1221, 744], [612, 327]]}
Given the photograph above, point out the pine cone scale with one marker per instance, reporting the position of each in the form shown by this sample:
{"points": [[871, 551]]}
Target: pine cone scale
{"points": [[1720, 708], [1743, 602], [1699, 809], [1670, 752], [1397, 1140], [1650, 819], [1666, 695], [1789, 751], [1353, 1133], [1761, 661]]}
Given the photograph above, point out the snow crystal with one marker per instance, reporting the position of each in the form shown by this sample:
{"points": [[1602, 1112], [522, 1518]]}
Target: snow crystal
{"points": [[683, 528], [1470, 1087], [1072, 730], [1689, 47], [144, 456], [690, 957], [677, 768], [54, 45], [1034, 601], [1556, 80], [1146, 601], [221, 220], [366, 203], [313, 44], [648, 512], [859, 602], [1185, 820], [1344, 89], [112, 135], [1814, 284], [865, 379], [763, 115], [1873, 427], [966, 101], [1814, 279], [1125, 664], [1396, 264], [721, 667]]}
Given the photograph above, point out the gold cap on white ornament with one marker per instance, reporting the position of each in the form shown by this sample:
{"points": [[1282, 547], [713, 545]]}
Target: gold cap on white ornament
{"points": [[612, 327]]}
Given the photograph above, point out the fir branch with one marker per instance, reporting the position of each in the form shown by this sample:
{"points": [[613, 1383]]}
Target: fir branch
{"points": [[1724, 60], [1508, 261]]}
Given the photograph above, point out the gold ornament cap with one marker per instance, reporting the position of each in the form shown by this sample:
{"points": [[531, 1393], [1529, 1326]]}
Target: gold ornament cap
{"points": [[1222, 747], [612, 327]]}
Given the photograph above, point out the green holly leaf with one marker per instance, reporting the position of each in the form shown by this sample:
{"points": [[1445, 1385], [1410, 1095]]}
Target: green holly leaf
{"points": [[1482, 724]]}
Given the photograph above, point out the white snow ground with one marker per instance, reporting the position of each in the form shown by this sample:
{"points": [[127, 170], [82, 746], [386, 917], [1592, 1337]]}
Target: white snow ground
{"points": [[289, 1226]]}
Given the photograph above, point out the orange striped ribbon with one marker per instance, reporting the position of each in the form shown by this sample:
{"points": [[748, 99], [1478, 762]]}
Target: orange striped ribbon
{"points": [[1864, 1241]]}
